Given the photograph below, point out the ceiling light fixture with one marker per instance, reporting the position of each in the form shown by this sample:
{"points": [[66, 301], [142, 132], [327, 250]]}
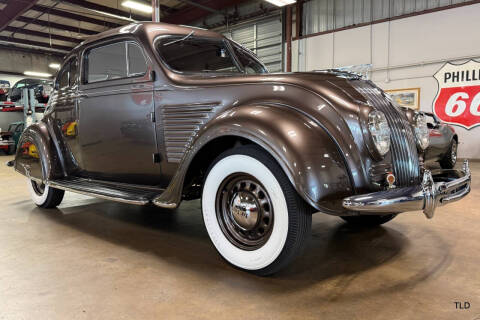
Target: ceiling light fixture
{"points": [[54, 65], [37, 74], [137, 6], [281, 3]]}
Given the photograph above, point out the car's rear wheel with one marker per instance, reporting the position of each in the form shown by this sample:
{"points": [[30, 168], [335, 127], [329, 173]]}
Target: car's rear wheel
{"points": [[253, 215], [369, 221], [44, 196], [450, 158]]}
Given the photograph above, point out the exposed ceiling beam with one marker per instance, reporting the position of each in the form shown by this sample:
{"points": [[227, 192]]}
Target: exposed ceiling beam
{"points": [[193, 13], [31, 50], [74, 16], [54, 25], [35, 43], [42, 34], [13, 10]]}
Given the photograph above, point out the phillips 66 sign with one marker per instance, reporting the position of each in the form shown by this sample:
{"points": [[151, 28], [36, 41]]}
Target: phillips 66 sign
{"points": [[458, 97]]}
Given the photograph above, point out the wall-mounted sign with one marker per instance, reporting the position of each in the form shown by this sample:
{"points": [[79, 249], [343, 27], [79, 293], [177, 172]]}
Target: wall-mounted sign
{"points": [[458, 97], [409, 98]]}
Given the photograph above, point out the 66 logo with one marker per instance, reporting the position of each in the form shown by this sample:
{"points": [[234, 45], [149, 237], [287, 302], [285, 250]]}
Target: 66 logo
{"points": [[458, 98]]}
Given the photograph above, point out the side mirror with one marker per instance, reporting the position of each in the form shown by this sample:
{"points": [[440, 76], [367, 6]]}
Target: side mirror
{"points": [[430, 125]]}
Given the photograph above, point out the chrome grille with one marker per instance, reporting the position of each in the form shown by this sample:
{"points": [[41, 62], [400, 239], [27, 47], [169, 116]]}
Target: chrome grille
{"points": [[403, 146]]}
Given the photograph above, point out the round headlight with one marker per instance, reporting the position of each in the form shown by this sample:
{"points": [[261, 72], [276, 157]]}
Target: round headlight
{"points": [[380, 131], [421, 131]]}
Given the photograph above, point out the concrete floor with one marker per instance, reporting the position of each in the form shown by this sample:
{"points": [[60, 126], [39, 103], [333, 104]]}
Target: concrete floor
{"points": [[93, 259]]}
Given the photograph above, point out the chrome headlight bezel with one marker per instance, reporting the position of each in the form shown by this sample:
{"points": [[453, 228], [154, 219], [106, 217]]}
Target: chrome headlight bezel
{"points": [[379, 132], [422, 133]]}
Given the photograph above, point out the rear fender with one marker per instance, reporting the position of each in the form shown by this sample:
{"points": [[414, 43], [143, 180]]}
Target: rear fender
{"points": [[35, 157]]}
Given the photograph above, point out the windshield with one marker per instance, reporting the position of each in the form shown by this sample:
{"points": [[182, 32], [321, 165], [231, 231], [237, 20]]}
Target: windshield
{"points": [[190, 54], [196, 55]]}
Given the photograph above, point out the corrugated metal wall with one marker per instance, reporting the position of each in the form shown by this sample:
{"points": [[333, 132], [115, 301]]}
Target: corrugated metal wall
{"points": [[264, 38], [325, 15]]}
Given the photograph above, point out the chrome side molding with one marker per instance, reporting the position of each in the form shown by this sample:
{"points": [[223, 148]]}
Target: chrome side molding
{"points": [[443, 187]]}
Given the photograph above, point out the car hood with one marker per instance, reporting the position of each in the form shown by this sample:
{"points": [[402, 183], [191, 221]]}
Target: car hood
{"points": [[333, 86]]}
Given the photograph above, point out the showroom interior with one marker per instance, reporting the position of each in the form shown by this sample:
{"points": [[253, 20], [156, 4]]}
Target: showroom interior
{"points": [[74, 254]]}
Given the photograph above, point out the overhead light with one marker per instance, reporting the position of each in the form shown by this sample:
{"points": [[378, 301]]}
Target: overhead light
{"points": [[37, 74], [137, 6], [281, 3], [54, 65]]}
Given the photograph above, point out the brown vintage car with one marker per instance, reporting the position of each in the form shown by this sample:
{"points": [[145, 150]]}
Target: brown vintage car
{"points": [[152, 113]]}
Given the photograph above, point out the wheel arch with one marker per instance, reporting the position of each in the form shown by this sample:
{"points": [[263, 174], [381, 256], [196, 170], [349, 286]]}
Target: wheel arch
{"points": [[39, 163]]}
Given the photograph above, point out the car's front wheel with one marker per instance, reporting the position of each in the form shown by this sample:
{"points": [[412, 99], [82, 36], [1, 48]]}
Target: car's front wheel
{"points": [[44, 196], [253, 215]]}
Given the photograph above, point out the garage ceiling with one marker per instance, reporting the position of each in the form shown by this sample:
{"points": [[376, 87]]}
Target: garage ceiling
{"points": [[55, 27]]}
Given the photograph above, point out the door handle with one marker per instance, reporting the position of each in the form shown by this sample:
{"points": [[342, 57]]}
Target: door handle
{"points": [[81, 95]]}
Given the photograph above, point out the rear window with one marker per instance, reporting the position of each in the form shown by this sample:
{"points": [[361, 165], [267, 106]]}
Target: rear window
{"points": [[196, 55]]}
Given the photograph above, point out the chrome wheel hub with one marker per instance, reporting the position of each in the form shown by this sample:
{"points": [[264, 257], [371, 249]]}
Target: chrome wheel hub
{"points": [[454, 152], [244, 211], [39, 188]]}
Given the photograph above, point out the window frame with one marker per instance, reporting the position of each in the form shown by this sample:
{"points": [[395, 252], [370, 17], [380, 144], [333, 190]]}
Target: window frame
{"points": [[68, 64], [237, 64], [248, 53], [85, 55]]}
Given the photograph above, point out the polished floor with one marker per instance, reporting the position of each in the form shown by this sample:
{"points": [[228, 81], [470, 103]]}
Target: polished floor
{"points": [[93, 259]]}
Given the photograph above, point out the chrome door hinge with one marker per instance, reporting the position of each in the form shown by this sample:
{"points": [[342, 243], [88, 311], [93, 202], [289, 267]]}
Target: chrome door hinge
{"points": [[152, 116]]}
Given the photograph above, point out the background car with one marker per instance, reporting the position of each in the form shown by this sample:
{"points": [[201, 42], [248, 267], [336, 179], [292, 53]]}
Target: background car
{"points": [[443, 143], [9, 139], [42, 89], [4, 88]]}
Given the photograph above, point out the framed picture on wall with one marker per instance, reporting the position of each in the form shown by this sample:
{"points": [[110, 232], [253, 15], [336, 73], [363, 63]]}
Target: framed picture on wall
{"points": [[409, 98]]}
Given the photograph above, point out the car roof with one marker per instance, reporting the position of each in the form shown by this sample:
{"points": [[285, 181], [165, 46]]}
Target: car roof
{"points": [[152, 30]]}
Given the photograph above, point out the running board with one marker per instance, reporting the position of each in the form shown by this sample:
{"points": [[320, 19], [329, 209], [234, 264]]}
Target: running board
{"points": [[120, 192]]}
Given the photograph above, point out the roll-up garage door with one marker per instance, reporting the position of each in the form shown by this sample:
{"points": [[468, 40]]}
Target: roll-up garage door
{"points": [[264, 38]]}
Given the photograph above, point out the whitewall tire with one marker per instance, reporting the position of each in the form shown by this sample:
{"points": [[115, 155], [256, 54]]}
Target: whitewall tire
{"points": [[44, 196], [253, 215]]}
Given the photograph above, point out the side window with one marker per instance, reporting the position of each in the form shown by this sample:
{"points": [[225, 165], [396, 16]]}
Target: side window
{"points": [[19, 128], [73, 72], [63, 76], [106, 63], [136, 61], [20, 84]]}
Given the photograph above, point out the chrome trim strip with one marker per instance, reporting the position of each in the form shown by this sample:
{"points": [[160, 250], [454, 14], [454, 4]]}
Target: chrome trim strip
{"points": [[427, 197], [96, 195]]}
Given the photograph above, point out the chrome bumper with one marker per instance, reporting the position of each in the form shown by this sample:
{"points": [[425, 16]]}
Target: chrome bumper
{"points": [[437, 189]]}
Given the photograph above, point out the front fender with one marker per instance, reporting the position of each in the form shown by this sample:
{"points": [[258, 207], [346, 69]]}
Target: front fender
{"points": [[305, 151], [35, 157]]}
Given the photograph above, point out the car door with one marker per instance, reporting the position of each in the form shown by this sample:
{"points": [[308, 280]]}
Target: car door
{"points": [[65, 111], [115, 102]]}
